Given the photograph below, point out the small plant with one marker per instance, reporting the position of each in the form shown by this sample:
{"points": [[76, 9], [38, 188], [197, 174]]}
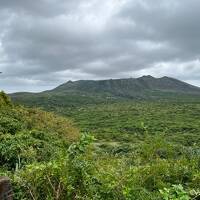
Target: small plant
{"points": [[81, 146], [144, 128], [176, 192]]}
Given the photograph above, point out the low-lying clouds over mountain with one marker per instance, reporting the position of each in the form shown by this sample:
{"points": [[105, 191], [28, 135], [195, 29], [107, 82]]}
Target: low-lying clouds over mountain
{"points": [[46, 42]]}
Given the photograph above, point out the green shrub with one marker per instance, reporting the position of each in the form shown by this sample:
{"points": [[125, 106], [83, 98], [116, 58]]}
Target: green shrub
{"points": [[176, 192], [67, 177], [9, 125], [27, 147], [4, 99]]}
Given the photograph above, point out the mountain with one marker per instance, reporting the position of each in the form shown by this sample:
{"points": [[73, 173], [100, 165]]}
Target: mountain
{"points": [[131, 87], [95, 91]]}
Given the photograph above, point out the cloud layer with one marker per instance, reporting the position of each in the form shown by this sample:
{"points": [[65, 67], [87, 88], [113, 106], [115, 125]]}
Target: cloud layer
{"points": [[47, 42]]}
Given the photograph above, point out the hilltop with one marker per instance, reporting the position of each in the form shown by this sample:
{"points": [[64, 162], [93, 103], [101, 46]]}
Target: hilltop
{"points": [[75, 93]]}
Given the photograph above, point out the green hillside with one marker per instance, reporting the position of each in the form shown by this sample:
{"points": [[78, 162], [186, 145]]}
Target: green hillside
{"points": [[87, 92], [132, 87]]}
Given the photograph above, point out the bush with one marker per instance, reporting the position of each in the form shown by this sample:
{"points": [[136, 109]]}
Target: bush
{"points": [[176, 192], [27, 147], [9, 125], [67, 177]]}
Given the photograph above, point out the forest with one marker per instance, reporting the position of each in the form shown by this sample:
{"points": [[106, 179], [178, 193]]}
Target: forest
{"points": [[118, 150]]}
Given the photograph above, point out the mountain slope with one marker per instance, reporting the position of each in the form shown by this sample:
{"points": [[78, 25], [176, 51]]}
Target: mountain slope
{"points": [[91, 91], [128, 87]]}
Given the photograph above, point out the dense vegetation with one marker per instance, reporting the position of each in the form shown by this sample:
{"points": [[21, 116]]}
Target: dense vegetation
{"points": [[156, 139], [142, 151]]}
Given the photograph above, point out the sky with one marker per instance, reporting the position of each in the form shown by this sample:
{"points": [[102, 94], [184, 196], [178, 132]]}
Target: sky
{"points": [[45, 43]]}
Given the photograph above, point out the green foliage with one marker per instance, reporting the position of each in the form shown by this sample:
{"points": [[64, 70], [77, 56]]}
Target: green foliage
{"points": [[143, 151], [129, 122], [30, 135], [4, 99], [80, 173], [27, 147], [176, 192], [69, 176], [9, 125], [80, 147]]}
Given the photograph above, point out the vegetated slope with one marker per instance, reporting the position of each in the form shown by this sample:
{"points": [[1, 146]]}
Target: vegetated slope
{"points": [[127, 87], [145, 163], [93, 92], [29, 135]]}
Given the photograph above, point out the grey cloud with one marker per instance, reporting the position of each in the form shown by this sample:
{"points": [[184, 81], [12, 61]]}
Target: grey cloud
{"points": [[172, 21], [39, 8], [45, 43]]}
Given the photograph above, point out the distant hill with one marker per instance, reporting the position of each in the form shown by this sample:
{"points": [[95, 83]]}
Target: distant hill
{"points": [[132, 87], [95, 91]]}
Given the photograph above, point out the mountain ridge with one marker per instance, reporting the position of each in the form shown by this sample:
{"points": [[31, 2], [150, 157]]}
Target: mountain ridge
{"points": [[95, 91], [106, 80], [141, 83]]}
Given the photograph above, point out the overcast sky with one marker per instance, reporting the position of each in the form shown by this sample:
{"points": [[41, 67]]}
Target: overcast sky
{"points": [[44, 43]]}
